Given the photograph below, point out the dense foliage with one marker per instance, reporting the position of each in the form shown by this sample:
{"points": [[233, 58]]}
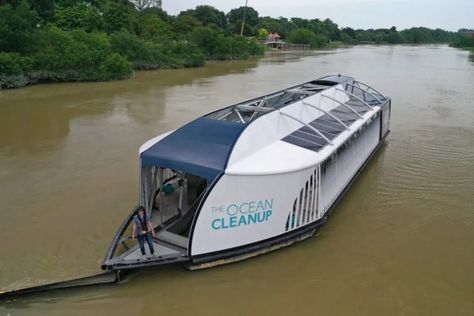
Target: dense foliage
{"points": [[91, 40], [95, 40], [465, 39]]}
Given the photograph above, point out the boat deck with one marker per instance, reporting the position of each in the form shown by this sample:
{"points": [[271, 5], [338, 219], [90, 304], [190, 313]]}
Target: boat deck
{"points": [[163, 252]]}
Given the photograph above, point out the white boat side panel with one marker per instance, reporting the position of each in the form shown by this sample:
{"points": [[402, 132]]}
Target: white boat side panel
{"points": [[279, 157], [346, 163], [245, 209], [153, 141]]}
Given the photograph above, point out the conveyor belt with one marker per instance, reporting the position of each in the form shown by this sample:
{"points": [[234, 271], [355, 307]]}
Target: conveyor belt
{"points": [[101, 278]]}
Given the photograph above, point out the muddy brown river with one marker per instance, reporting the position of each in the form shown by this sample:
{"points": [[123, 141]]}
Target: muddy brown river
{"points": [[400, 243]]}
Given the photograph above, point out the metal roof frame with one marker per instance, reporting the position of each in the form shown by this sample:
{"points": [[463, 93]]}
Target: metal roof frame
{"points": [[353, 95], [369, 88], [328, 113], [343, 104], [365, 91]]}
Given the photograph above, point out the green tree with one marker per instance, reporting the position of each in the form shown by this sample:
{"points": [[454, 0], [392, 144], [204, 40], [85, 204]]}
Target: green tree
{"points": [[17, 27], [77, 56], [119, 16], [236, 16], [44, 8], [332, 30], [281, 25], [207, 15], [79, 16], [349, 31], [305, 36], [153, 28], [149, 55], [14, 64], [206, 39], [184, 24], [463, 41], [394, 37], [141, 5], [262, 33]]}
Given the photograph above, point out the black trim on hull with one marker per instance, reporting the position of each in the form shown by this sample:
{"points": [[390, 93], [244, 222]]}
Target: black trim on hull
{"points": [[220, 256], [160, 262], [259, 245]]}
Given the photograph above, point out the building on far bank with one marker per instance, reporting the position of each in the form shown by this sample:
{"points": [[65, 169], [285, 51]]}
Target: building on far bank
{"points": [[273, 37], [274, 41]]}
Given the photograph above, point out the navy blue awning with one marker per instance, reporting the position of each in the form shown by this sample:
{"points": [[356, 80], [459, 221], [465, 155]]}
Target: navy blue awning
{"points": [[201, 148]]}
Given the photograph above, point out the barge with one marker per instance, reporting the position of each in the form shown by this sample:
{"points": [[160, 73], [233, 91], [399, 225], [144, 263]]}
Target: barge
{"points": [[253, 177]]}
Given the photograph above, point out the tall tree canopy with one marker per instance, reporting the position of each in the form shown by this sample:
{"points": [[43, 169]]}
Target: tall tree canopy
{"points": [[207, 15]]}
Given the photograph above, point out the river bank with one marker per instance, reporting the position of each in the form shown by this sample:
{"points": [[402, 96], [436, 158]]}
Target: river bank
{"points": [[125, 70], [78, 56]]}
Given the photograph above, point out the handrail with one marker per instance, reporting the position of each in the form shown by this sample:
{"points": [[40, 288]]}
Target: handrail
{"points": [[353, 95], [307, 125], [371, 94], [328, 113], [369, 87], [118, 234], [343, 104]]}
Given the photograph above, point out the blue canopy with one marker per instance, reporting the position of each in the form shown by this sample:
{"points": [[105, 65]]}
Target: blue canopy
{"points": [[201, 148]]}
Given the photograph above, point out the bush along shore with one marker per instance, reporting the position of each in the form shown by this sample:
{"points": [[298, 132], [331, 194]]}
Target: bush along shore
{"points": [[67, 40], [92, 40]]}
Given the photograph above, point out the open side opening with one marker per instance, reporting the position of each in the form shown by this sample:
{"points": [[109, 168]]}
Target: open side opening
{"points": [[174, 203], [171, 199]]}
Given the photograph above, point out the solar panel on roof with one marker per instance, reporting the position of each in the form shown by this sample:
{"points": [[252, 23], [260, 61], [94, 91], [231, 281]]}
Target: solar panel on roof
{"points": [[311, 137], [331, 127], [307, 138], [302, 143]]}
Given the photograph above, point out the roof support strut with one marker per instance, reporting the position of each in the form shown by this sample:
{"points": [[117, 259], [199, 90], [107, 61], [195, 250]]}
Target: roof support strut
{"points": [[365, 91], [240, 116], [307, 125], [353, 95], [342, 103], [328, 113], [369, 88]]}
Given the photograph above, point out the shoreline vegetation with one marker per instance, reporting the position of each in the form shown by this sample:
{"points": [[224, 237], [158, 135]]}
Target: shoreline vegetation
{"points": [[92, 40]]}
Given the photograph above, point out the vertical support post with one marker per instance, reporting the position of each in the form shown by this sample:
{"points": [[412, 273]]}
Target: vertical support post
{"points": [[243, 21], [160, 183]]}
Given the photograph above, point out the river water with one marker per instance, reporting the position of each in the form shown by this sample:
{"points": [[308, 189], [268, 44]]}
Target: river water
{"points": [[400, 243]]}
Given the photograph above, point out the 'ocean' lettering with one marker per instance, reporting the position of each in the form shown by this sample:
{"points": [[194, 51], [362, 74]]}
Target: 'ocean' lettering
{"points": [[243, 214]]}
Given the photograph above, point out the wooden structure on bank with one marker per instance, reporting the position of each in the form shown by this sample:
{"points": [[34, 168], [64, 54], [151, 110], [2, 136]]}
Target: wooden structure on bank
{"points": [[283, 46], [274, 41]]}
